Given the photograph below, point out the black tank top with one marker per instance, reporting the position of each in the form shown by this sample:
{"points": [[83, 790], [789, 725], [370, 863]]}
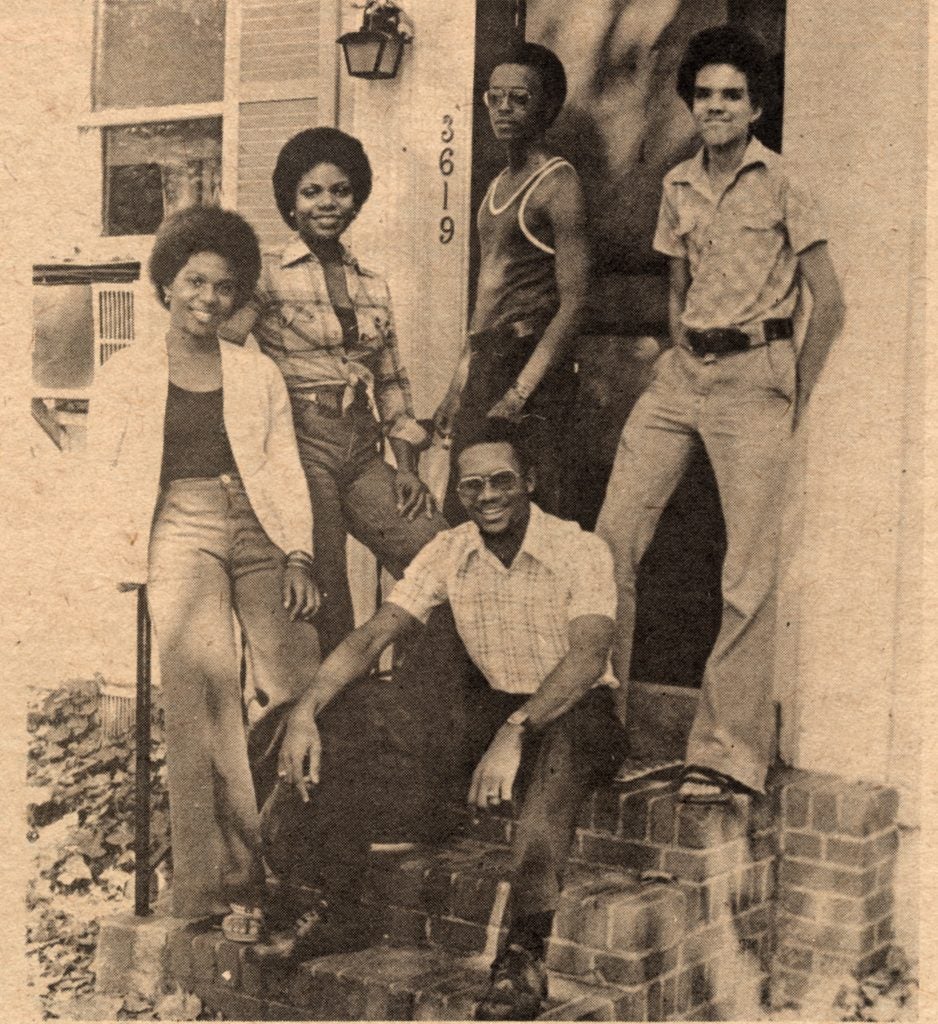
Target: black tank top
{"points": [[517, 279], [195, 442]]}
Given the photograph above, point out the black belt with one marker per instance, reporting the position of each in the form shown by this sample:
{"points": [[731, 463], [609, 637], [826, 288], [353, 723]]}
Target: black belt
{"points": [[721, 341]]}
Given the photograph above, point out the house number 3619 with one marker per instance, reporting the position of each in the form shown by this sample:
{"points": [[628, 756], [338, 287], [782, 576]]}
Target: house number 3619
{"points": [[447, 153]]}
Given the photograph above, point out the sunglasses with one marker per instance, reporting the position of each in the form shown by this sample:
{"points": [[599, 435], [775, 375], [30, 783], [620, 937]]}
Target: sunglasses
{"points": [[471, 487], [516, 97]]}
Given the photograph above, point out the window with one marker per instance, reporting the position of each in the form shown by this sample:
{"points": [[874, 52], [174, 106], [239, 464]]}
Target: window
{"points": [[154, 169], [155, 53], [157, 91]]}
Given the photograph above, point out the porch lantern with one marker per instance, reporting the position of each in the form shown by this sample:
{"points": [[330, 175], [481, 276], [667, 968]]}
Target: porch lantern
{"points": [[375, 51]]}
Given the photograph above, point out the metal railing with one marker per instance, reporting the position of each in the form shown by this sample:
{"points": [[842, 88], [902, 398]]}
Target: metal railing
{"points": [[142, 759]]}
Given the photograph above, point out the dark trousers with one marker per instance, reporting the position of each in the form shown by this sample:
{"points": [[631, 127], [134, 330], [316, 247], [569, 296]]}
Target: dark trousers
{"points": [[396, 755], [497, 359]]}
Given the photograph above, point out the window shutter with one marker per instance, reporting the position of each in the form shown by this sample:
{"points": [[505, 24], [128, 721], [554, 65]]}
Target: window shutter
{"points": [[286, 83]]}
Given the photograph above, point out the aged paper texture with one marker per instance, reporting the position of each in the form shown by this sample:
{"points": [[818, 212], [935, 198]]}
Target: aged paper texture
{"points": [[813, 902]]}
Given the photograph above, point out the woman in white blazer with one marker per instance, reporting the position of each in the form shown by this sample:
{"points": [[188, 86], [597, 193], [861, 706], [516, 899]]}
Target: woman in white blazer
{"points": [[203, 498]]}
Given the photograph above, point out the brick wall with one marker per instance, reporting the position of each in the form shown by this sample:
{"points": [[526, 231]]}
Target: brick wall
{"points": [[671, 911], [839, 843]]}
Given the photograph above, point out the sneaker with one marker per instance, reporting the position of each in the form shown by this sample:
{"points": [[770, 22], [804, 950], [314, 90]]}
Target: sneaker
{"points": [[518, 987]]}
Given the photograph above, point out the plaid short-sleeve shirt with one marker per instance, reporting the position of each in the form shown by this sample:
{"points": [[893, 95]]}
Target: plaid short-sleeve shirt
{"points": [[513, 621], [742, 246]]}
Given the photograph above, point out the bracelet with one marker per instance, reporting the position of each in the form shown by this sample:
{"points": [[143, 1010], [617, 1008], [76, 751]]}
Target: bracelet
{"points": [[301, 559]]}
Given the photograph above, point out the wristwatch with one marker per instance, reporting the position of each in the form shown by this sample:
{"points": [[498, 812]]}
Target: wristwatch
{"points": [[518, 718]]}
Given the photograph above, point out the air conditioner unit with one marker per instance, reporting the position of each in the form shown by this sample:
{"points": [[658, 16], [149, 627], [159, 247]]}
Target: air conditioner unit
{"points": [[82, 314], [114, 320]]}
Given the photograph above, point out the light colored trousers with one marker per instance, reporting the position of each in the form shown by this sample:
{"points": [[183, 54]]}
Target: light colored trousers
{"points": [[212, 564], [740, 407]]}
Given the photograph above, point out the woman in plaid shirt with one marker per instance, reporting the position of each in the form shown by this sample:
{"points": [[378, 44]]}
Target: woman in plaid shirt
{"points": [[327, 323]]}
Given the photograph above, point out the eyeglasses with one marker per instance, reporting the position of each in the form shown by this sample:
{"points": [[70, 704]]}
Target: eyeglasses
{"points": [[516, 97], [471, 487]]}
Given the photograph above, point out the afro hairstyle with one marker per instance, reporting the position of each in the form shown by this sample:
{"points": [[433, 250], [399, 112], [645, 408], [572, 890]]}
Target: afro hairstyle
{"points": [[205, 229], [726, 44], [319, 146]]}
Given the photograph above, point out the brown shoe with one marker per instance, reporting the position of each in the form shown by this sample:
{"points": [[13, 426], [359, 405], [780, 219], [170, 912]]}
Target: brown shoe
{"points": [[518, 988], [317, 933]]}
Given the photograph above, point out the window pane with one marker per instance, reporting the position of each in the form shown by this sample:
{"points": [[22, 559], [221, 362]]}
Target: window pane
{"points": [[154, 53], [151, 170]]}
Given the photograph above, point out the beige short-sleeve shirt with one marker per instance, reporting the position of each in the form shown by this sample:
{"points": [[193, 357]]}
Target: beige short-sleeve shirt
{"points": [[742, 246]]}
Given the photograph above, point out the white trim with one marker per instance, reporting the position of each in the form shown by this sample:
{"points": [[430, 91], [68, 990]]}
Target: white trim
{"points": [[73, 394], [145, 115], [231, 120], [496, 210], [89, 36], [291, 89], [327, 81], [528, 234]]}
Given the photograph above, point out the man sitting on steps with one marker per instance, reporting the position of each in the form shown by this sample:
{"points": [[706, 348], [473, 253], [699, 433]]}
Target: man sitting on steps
{"points": [[530, 710]]}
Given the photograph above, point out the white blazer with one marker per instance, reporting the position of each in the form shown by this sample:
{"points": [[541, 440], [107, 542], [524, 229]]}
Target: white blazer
{"points": [[125, 449]]}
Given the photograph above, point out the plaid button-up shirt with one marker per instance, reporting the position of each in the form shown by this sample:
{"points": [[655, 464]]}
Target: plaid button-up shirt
{"points": [[514, 621], [292, 317], [742, 246]]}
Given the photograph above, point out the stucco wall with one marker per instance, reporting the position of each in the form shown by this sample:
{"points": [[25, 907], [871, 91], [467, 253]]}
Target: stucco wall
{"points": [[851, 612], [402, 124]]}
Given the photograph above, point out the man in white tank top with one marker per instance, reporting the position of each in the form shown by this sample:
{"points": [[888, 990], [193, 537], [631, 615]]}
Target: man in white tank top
{"points": [[518, 361]]}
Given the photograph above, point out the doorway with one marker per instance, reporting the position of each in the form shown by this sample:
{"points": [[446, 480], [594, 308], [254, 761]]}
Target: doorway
{"points": [[623, 127]]}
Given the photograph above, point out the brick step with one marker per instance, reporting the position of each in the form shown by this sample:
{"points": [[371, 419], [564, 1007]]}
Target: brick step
{"points": [[630, 942], [457, 898], [638, 824], [659, 944], [418, 983], [379, 983]]}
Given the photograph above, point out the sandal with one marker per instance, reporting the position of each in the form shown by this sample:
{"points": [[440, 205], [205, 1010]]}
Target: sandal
{"points": [[724, 787], [243, 924]]}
